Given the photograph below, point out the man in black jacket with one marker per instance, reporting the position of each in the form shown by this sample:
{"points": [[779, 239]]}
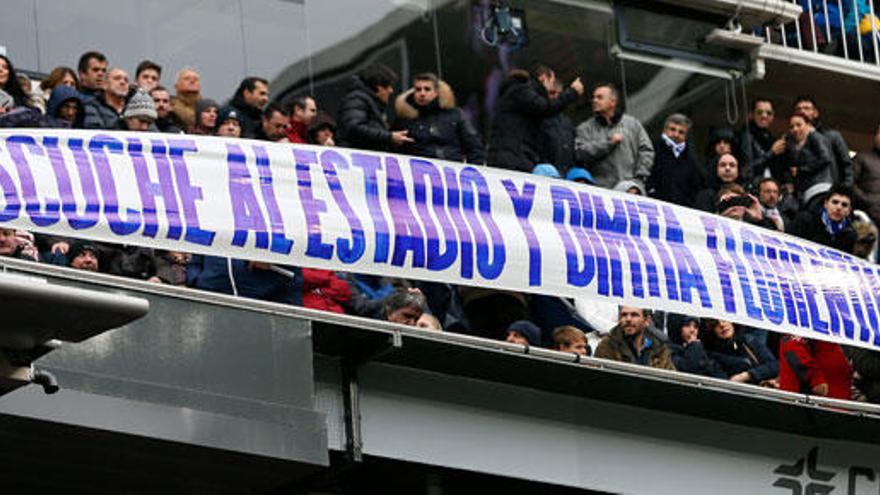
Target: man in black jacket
{"points": [[516, 139], [361, 121], [759, 151], [842, 170], [829, 225], [675, 175], [249, 99], [428, 114]]}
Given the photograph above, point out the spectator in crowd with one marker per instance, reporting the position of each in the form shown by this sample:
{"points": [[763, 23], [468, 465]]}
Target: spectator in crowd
{"points": [[171, 267], [253, 279], [866, 236], [630, 187], [9, 83], [304, 112], [323, 290], [140, 111], [558, 136], [571, 339], [842, 166], [761, 153], [404, 306], [323, 132], [742, 360], [830, 224], [368, 293], [675, 174], [147, 75], [523, 332], [580, 175], [206, 117], [105, 109], [248, 101], [83, 255], [734, 202], [688, 353], [65, 108], [438, 128], [129, 261], [274, 123], [166, 120], [488, 312], [516, 139], [188, 87], [92, 69], [726, 172], [631, 342], [59, 76], [814, 367], [722, 141], [613, 144], [429, 322], [866, 180], [228, 124], [768, 197], [866, 364], [362, 122], [810, 162], [17, 244]]}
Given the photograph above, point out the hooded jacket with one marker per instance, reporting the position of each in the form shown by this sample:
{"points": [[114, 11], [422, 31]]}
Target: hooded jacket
{"points": [[362, 122], [440, 130], [516, 141], [631, 159], [61, 94]]}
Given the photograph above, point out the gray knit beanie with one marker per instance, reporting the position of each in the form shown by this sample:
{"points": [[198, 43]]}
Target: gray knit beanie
{"points": [[140, 105]]}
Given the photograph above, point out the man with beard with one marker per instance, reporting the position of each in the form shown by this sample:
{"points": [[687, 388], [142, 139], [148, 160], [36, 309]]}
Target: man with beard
{"points": [[632, 342]]}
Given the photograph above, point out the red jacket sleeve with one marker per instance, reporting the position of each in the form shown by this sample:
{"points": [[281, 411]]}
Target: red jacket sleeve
{"points": [[796, 353]]}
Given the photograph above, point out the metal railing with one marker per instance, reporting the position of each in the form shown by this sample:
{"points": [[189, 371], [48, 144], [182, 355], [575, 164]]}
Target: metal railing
{"points": [[843, 28]]}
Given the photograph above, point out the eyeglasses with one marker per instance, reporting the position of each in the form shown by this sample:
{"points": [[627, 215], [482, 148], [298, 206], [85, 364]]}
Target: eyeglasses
{"points": [[768, 113]]}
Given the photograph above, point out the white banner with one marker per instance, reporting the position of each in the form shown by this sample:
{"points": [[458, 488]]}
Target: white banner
{"points": [[418, 218]]}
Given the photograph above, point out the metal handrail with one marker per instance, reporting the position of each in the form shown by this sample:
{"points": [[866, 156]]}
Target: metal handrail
{"points": [[831, 27]]}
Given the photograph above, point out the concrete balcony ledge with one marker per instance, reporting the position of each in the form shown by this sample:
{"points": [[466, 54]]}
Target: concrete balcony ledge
{"points": [[751, 13]]}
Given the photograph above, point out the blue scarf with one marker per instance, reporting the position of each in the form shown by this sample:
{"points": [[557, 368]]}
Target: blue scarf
{"points": [[832, 227], [677, 148]]}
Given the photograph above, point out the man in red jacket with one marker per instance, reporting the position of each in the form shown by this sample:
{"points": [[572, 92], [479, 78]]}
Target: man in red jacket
{"points": [[323, 290], [814, 367], [303, 113]]}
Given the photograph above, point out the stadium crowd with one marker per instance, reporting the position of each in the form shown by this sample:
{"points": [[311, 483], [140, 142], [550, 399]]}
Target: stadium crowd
{"points": [[803, 182]]}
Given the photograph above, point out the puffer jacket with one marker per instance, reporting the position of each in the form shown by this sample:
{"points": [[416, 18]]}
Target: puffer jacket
{"points": [[440, 130], [866, 183], [814, 163], [516, 140], [100, 115], [361, 121]]}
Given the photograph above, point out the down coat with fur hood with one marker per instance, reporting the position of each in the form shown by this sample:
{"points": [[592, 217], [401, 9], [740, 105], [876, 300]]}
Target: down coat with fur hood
{"points": [[440, 130]]}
